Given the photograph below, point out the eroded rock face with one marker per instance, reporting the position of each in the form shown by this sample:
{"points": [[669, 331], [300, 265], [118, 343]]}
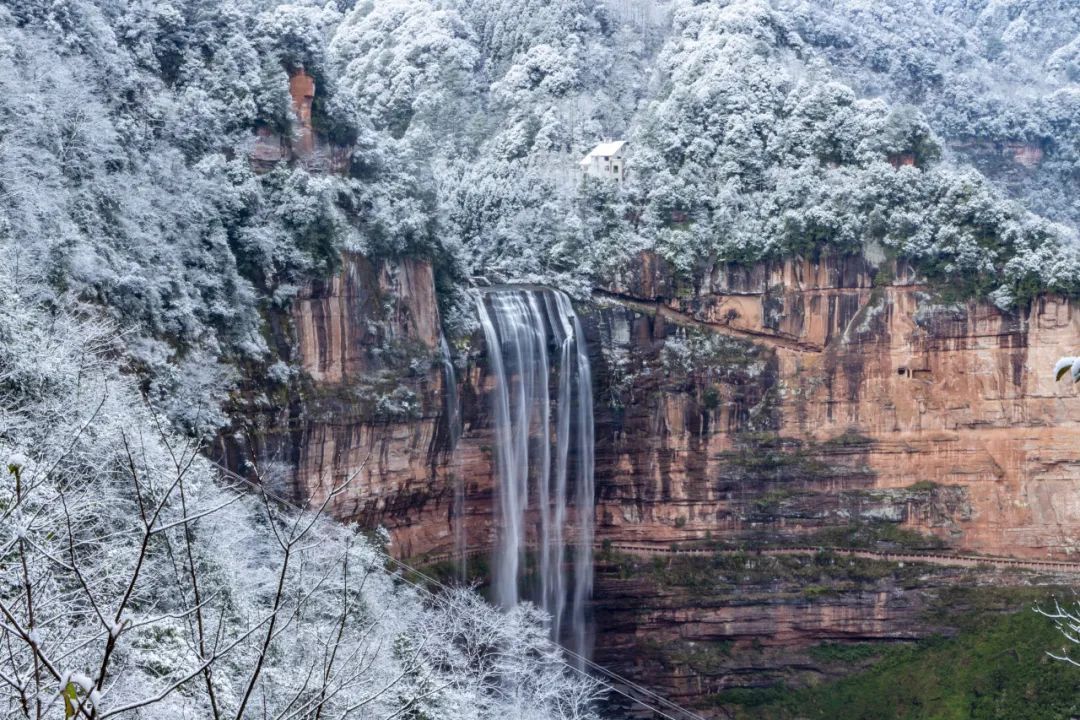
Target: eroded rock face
{"points": [[821, 404], [365, 421], [1026, 154], [796, 403], [771, 402], [304, 145], [345, 325], [302, 92], [372, 426], [695, 629], [842, 386]]}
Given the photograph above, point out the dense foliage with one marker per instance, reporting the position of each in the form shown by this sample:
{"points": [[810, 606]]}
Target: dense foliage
{"points": [[128, 199], [987, 75], [126, 185], [755, 133], [755, 143]]}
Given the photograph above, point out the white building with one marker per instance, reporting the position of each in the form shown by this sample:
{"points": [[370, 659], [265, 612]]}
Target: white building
{"points": [[606, 160]]}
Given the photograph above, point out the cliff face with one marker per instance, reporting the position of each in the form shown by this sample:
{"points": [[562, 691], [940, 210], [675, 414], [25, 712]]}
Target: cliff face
{"points": [[705, 631], [860, 402], [366, 419], [796, 403], [373, 404], [805, 403], [773, 403], [303, 144]]}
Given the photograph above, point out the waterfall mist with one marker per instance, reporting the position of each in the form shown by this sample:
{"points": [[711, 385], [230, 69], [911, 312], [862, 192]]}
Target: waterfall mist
{"points": [[542, 409]]}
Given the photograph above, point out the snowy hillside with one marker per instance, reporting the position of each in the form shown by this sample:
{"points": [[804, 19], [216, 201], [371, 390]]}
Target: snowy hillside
{"points": [[146, 258], [988, 75], [756, 130]]}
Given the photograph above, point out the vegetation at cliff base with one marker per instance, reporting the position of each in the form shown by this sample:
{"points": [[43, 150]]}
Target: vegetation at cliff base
{"points": [[995, 668]]}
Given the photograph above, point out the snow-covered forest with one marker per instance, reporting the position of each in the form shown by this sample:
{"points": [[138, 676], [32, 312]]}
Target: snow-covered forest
{"points": [[985, 75], [142, 254], [139, 254], [756, 129]]}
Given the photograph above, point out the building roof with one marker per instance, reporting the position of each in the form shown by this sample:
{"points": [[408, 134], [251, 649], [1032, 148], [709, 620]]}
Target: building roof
{"points": [[603, 150]]}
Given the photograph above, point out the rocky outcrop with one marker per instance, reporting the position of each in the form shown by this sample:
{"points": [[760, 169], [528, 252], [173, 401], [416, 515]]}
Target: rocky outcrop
{"points": [[360, 415], [345, 325], [1001, 155], [701, 630], [302, 92], [303, 144], [827, 403], [776, 401], [373, 395]]}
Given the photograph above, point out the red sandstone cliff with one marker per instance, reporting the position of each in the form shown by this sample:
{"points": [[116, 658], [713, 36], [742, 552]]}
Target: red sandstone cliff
{"points": [[367, 340], [830, 401], [805, 403], [305, 144], [881, 384], [797, 402]]}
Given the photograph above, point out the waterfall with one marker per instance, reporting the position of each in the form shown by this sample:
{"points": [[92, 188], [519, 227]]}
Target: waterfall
{"points": [[531, 336], [453, 418]]}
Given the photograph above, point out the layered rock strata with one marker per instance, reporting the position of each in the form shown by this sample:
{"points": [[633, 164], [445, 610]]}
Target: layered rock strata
{"points": [[827, 403], [774, 401], [827, 392], [703, 630]]}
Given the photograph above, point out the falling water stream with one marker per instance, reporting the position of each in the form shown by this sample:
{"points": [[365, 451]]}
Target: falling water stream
{"points": [[542, 409], [453, 414]]}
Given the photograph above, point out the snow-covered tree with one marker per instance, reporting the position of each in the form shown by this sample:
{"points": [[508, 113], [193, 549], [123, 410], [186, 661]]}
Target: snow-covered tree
{"points": [[986, 75], [752, 149]]}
